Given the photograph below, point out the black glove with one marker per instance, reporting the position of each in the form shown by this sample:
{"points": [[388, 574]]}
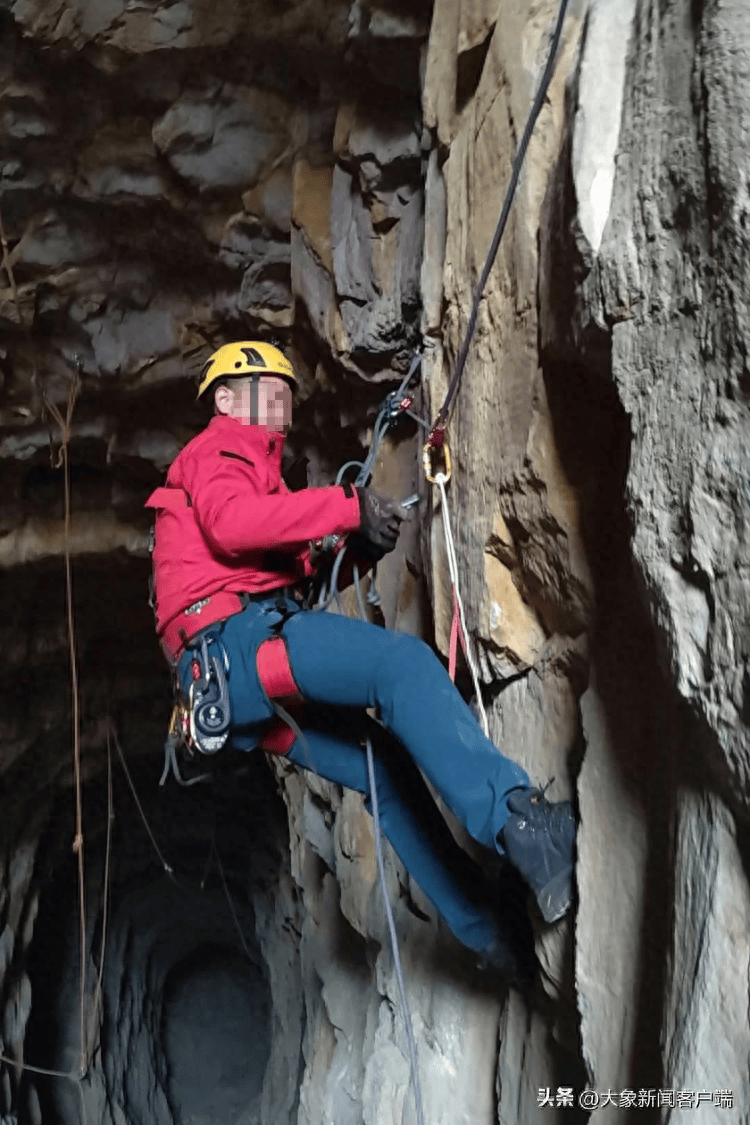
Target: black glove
{"points": [[363, 548], [381, 518]]}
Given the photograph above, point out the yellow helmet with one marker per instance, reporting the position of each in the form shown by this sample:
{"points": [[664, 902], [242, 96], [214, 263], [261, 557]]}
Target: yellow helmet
{"points": [[248, 357]]}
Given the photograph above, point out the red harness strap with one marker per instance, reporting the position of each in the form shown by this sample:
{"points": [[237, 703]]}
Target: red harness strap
{"points": [[277, 680], [279, 738], [274, 670]]}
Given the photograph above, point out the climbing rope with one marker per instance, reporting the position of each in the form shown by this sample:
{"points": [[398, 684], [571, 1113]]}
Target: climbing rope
{"points": [[390, 410], [229, 898], [63, 461], [84, 1061], [436, 442], [169, 870], [98, 996], [395, 404], [438, 429], [394, 938], [459, 621], [70, 1075]]}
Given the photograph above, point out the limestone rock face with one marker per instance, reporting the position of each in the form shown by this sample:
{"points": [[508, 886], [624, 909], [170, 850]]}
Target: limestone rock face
{"points": [[682, 377], [187, 24], [222, 138], [605, 370], [329, 175]]}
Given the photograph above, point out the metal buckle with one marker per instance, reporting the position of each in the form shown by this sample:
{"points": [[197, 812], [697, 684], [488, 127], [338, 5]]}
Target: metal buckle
{"points": [[208, 698]]}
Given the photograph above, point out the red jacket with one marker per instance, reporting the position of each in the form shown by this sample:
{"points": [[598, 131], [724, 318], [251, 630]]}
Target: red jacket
{"points": [[233, 524]]}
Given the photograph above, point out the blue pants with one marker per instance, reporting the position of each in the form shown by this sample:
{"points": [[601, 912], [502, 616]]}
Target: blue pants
{"points": [[349, 663]]}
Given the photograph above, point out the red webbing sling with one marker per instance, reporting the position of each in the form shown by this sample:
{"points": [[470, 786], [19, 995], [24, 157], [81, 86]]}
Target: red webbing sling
{"points": [[277, 680]]}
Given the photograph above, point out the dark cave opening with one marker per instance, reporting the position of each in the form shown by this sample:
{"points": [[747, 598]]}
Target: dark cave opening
{"points": [[215, 1035], [184, 1031]]}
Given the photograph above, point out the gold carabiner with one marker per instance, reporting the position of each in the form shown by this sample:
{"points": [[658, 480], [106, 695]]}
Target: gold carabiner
{"points": [[427, 452]]}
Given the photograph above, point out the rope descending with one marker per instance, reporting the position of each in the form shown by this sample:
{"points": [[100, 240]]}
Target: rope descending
{"points": [[394, 938], [459, 621], [394, 405], [438, 430], [63, 462], [436, 442]]}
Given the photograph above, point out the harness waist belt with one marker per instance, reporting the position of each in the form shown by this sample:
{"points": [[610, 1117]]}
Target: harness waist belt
{"points": [[208, 611], [199, 616]]}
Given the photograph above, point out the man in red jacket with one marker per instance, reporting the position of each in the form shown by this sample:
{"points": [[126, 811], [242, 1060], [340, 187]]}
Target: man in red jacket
{"points": [[232, 551]]}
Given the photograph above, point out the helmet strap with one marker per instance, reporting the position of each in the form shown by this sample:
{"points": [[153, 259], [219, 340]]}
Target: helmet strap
{"points": [[254, 385]]}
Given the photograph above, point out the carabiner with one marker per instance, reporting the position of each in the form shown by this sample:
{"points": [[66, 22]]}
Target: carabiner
{"points": [[427, 451]]}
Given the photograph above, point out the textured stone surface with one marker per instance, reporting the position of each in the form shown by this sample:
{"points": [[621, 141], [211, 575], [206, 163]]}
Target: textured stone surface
{"points": [[177, 175], [679, 362], [613, 837], [183, 25], [705, 1027], [613, 433], [656, 287], [222, 138]]}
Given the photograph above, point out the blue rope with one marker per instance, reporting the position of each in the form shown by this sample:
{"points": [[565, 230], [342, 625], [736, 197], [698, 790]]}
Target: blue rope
{"points": [[388, 412], [394, 938]]}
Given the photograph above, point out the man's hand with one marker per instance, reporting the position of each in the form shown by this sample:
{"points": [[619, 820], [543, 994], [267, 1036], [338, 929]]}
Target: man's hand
{"points": [[363, 548], [381, 519]]}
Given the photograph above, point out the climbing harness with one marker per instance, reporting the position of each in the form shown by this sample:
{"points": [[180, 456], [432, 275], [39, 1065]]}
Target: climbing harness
{"points": [[201, 721], [278, 682]]}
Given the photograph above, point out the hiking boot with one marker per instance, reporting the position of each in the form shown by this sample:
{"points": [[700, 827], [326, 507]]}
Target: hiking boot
{"points": [[504, 972], [539, 840], [511, 956]]}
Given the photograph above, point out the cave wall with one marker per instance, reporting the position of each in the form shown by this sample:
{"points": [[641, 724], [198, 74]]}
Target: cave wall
{"points": [[605, 427], [672, 290], [176, 176]]}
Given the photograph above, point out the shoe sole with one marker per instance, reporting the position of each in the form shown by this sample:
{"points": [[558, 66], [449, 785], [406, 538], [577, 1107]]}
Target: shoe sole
{"points": [[556, 897]]}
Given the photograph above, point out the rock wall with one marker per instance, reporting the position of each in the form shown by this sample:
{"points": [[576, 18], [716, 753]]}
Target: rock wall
{"points": [[331, 174]]}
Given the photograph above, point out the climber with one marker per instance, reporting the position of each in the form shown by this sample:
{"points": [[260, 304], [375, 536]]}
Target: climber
{"points": [[233, 549]]}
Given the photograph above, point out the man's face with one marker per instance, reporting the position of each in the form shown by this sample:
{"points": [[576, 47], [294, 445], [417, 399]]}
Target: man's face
{"points": [[265, 401]]}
